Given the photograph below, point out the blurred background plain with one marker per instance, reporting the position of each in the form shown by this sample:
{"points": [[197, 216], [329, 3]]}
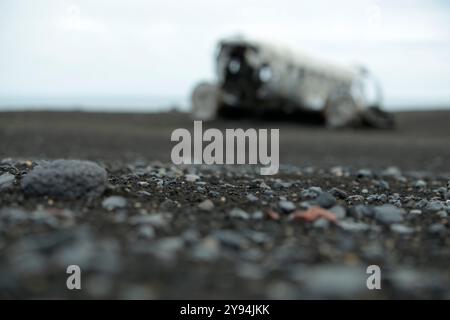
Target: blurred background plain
{"points": [[139, 55]]}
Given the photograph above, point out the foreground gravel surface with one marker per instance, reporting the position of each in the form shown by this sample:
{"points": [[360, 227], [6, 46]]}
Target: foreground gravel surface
{"points": [[153, 230], [160, 231]]}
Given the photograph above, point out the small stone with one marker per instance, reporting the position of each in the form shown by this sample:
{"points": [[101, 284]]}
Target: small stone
{"points": [[353, 226], [167, 248], [286, 206], [401, 229], [257, 215], [338, 193], [338, 211], [392, 172], [207, 250], [420, 184], [6, 181], [239, 213], [252, 198], [156, 220], [415, 212], [114, 202], [364, 173], [321, 224], [191, 177], [326, 200], [146, 231], [434, 206], [442, 214], [230, 238], [382, 185], [311, 193], [65, 179], [436, 228], [388, 214], [359, 211], [206, 205]]}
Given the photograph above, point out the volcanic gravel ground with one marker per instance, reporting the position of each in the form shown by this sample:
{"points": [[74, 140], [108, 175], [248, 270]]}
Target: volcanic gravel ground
{"points": [[343, 200]]}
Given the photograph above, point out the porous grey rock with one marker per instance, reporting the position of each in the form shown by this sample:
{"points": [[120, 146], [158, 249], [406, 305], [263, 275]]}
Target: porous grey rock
{"points": [[6, 181], [388, 214], [68, 179]]}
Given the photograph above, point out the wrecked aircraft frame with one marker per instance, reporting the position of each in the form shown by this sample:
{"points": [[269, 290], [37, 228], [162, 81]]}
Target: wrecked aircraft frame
{"points": [[256, 78]]}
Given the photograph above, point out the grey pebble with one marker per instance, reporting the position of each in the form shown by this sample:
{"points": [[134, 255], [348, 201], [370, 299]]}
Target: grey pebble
{"points": [[6, 181], [326, 200], [206, 205], [114, 202], [338, 211], [252, 198], [286, 206], [239, 213], [388, 214], [66, 179]]}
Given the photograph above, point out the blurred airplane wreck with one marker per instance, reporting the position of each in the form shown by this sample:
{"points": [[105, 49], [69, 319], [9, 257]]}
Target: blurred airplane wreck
{"points": [[255, 78]]}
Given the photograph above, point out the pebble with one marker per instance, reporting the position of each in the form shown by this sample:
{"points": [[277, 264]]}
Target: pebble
{"points": [[252, 198], [436, 228], [434, 206], [207, 250], [191, 177], [392, 172], [311, 193], [364, 173], [206, 205], [230, 238], [338, 193], [321, 224], [6, 181], [359, 211], [353, 226], [156, 220], [66, 179], [338, 211], [167, 248], [326, 200], [388, 214], [146, 231], [442, 214], [415, 212], [114, 202], [420, 184], [286, 206], [239, 213], [401, 229]]}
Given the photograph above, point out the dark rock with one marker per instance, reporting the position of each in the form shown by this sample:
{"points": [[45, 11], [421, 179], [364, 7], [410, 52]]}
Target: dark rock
{"points": [[69, 179], [326, 200]]}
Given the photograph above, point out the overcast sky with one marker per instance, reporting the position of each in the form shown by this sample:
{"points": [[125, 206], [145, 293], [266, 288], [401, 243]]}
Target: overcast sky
{"points": [[162, 48]]}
